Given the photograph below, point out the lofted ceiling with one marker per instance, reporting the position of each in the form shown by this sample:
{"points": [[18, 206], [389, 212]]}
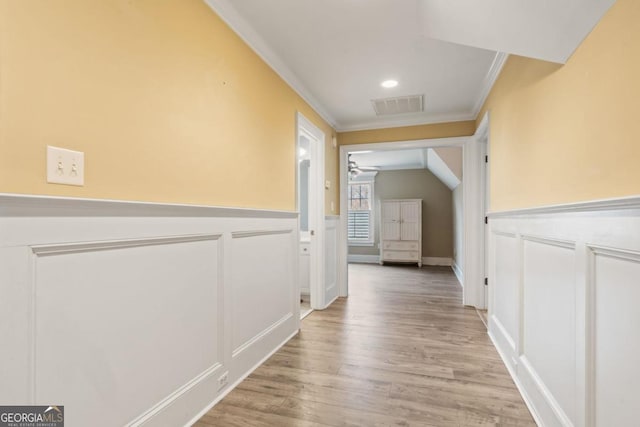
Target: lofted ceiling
{"points": [[335, 53], [444, 162]]}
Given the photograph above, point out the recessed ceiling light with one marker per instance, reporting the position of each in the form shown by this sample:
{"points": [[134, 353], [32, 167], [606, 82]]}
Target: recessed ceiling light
{"points": [[389, 83]]}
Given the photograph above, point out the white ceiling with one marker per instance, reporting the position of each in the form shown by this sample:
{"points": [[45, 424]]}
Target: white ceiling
{"points": [[544, 29], [335, 53], [418, 158], [392, 159]]}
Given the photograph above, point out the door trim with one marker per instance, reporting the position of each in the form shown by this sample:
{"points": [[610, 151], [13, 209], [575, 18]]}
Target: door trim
{"points": [[473, 291], [317, 246]]}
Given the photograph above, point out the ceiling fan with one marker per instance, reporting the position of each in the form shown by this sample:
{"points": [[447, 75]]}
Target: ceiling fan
{"points": [[355, 170]]}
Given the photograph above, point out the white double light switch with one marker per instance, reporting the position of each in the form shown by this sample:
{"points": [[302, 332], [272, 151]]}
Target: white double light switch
{"points": [[65, 166]]}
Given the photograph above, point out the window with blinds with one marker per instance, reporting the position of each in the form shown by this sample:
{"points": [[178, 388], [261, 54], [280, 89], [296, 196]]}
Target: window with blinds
{"points": [[359, 215]]}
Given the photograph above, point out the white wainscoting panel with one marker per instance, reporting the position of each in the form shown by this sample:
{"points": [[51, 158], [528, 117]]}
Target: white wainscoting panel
{"points": [[616, 342], [331, 259], [505, 292], [100, 313], [548, 341], [136, 310], [262, 298], [563, 312]]}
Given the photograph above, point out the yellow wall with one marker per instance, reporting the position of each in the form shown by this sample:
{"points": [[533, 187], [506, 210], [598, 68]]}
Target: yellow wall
{"points": [[562, 134], [167, 103], [408, 133]]}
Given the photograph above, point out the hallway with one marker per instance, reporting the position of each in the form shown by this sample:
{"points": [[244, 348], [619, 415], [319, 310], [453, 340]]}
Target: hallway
{"points": [[401, 350]]}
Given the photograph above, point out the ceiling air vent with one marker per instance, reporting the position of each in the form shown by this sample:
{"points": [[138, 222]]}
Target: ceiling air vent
{"points": [[398, 105]]}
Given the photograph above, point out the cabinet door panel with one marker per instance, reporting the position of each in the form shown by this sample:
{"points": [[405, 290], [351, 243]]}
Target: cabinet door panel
{"points": [[391, 221], [410, 225]]}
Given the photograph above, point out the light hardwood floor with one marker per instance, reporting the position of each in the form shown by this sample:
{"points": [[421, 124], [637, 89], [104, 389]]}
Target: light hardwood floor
{"points": [[400, 351]]}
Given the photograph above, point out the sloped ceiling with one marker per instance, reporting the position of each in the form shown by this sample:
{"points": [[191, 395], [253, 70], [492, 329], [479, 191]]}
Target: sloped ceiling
{"points": [[444, 162], [544, 29]]}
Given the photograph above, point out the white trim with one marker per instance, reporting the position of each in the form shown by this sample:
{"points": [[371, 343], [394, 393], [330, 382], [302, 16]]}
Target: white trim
{"points": [[489, 80], [471, 252], [35, 205], [245, 346], [329, 303], [473, 200], [169, 400], [516, 380], [541, 388], [458, 272], [245, 234], [365, 259], [239, 380], [225, 10], [317, 246], [69, 248], [619, 203], [403, 122], [437, 261]]}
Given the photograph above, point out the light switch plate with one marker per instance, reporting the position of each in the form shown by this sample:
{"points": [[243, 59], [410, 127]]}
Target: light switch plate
{"points": [[65, 166]]}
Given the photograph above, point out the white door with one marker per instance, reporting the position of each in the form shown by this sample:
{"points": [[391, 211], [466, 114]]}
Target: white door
{"points": [[410, 221], [390, 221]]}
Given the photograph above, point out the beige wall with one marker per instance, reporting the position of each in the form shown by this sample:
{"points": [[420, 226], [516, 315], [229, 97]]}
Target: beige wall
{"points": [[437, 215], [452, 156], [408, 133], [568, 133], [458, 227], [167, 103]]}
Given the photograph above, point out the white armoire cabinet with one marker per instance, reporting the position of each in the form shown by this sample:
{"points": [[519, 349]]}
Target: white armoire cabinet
{"points": [[401, 231]]}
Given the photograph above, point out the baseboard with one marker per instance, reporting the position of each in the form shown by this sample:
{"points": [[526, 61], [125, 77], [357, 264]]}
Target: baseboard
{"points": [[437, 261], [238, 381], [458, 272], [363, 259], [516, 380], [329, 303]]}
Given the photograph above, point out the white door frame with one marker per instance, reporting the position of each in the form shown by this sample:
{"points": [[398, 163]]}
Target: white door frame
{"points": [[474, 216], [473, 292], [316, 209]]}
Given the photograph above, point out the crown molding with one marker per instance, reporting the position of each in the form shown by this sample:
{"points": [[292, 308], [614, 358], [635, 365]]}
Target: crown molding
{"points": [[225, 10], [489, 80]]}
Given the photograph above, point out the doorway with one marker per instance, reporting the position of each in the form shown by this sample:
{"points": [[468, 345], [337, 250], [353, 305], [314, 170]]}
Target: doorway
{"points": [[472, 218], [310, 205]]}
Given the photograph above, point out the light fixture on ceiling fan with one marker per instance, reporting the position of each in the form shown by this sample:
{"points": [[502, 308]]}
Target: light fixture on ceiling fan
{"points": [[355, 170]]}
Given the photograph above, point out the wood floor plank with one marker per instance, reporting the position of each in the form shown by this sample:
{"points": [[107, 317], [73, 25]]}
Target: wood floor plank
{"points": [[400, 351]]}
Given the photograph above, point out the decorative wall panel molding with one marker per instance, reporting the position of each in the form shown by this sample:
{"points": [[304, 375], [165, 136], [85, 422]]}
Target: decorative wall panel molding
{"points": [[331, 259], [563, 309], [138, 309]]}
